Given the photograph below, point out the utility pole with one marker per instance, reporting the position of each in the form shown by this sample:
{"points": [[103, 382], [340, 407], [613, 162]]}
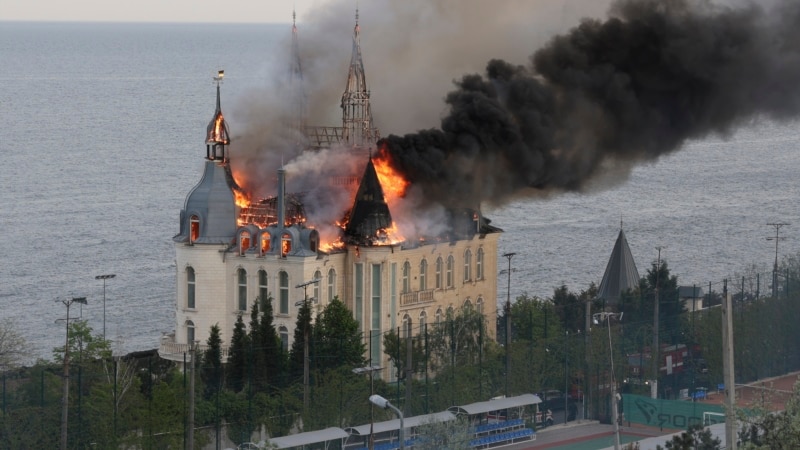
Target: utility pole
{"points": [[507, 313], [306, 358], [190, 413], [654, 353], [65, 395], [776, 238], [728, 369]]}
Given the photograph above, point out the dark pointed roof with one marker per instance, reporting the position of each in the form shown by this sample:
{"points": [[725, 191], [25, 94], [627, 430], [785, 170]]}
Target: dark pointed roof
{"points": [[621, 273], [217, 130], [370, 215]]}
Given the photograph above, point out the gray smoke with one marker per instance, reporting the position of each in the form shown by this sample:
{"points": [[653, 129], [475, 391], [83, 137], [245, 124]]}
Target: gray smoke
{"points": [[604, 96]]}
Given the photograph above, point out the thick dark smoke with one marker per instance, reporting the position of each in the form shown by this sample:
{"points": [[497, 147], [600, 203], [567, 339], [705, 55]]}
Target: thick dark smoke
{"points": [[605, 96]]}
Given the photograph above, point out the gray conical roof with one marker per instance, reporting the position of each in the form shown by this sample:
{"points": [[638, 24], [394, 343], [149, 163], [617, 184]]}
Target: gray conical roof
{"points": [[621, 273]]}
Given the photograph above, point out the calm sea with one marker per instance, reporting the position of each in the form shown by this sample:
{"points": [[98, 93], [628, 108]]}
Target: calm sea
{"points": [[103, 135]]}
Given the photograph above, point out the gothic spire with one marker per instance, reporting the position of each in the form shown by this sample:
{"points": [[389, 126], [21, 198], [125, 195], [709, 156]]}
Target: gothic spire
{"points": [[217, 135], [297, 93], [356, 111]]}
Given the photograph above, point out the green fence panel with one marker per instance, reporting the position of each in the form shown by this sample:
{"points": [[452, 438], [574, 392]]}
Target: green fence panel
{"points": [[673, 414]]}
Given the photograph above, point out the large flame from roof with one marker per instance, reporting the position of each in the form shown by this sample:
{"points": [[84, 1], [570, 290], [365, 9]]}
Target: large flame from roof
{"points": [[393, 184]]}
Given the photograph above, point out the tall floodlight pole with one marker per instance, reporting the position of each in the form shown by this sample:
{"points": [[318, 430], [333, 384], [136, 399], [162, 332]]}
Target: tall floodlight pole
{"points": [[104, 278], [304, 303], [507, 313], [597, 319], [655, 352], [776, 238], [65, 395]]}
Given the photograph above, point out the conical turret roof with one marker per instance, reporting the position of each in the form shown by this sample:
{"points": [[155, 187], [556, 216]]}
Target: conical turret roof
{"points": [[370, 217], [621, 273]]}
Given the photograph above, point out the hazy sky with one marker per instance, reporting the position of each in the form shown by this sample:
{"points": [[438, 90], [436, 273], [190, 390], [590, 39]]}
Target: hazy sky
{"points": [[220, 11]]}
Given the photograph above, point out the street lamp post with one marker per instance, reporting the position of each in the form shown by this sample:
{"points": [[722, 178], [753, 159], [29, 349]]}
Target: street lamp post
{"points": [[304, 303], [65, 396], [104, 278], [777, 238], [606, 316], [371, 371], [381, 402], [507, 314]]}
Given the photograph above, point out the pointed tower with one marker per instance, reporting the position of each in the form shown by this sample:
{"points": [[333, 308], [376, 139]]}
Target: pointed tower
{"points": [[621, 273], [356, 111], [210, 212], [369, 217], [217, 136], [297, 93]]}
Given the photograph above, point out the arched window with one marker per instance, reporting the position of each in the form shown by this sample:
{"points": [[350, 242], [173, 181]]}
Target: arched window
{"points": [[317, 276], [468, 265], [331, 284], [479, 304], [283, 278], [194, 228], [450, 313], [438, 317], [406, 277], [189, 332], [284, 333], [263, 292], [190, 286], [467, 304], [286, 244], [244, 242], [423, 322], [479, 264], [439, 265], [407, 326], [241, 276], [450, 263], [423, 272]]}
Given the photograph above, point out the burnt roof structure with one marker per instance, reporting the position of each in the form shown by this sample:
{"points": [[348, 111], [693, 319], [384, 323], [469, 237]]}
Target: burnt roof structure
{"points": [[621, 273], [369, 217]]}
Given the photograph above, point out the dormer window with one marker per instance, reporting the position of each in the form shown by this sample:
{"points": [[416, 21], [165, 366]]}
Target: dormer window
{"points": [[194, 228], [244, 242], [265, 243], [286, 244]]}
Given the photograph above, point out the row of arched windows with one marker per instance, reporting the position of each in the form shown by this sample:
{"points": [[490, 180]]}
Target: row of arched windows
{"points": [[242, 300], [444, 277], [283, 332], [439, 317]]}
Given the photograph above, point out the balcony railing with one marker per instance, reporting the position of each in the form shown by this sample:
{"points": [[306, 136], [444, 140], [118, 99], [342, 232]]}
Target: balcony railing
{"points": [[416, 297], [174, 351]]}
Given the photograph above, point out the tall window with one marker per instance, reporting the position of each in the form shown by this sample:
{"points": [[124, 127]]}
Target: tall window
{"points": [[263, 292], [189, 332], [439, 265], [467, 304], [479, 304], [468, 265], [479, 264], [423, 271], [242, 279], [286, 244], [244, 242], [438, 317], [190, 288], [284, 333], [407, 326], [331, 284], [450, 263], [265, 243], [194, 228], [406, 277], [317, 276], [283, 278], [423, 321]]}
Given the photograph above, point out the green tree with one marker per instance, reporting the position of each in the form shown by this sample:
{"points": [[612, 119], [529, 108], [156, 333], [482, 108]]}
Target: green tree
{"points": [[694, 438], [337, 340], [268, 343], [236, 369], [452, 435], [396, 348], [302, 327], [13, 347], [211, 370], [767, 430], [83, 345]]}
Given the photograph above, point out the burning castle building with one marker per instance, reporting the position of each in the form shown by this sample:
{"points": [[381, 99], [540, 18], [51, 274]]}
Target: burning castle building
{"points": [[233, 249]]}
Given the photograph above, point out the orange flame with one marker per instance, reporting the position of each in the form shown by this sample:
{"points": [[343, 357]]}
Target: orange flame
{"points": [[394, 185]]}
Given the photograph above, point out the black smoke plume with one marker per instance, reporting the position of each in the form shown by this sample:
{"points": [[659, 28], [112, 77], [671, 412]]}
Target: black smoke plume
{"points": [[605, 96]]}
